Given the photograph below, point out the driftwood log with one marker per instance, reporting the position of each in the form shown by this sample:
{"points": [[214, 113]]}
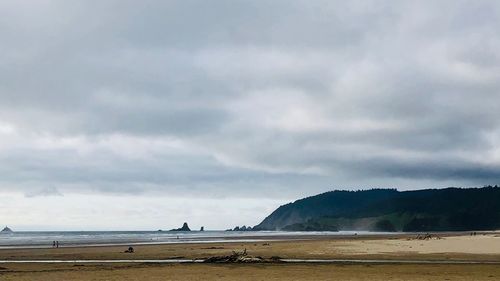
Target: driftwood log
{"points": [[240, 257]]}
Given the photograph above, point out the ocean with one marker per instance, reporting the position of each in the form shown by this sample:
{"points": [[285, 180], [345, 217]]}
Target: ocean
{"points": [[44, 239]]}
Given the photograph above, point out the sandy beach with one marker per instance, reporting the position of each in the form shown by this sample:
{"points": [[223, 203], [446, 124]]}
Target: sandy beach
{"points": [[250, 272], [463, 248]]}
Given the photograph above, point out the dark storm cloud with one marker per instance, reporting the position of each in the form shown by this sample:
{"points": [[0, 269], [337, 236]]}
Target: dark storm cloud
{"points": [[248, 97]]}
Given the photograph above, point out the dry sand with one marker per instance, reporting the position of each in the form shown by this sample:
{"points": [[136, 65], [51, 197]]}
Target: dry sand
{"points": [[469, 248], [486, 244]]}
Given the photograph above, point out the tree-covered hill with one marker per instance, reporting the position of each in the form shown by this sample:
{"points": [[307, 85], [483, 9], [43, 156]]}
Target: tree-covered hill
{"points": [[446, 209]]}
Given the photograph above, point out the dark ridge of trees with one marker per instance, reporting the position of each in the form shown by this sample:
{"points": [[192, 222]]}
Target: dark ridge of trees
{"points": [[418, 210], [384, 225]]}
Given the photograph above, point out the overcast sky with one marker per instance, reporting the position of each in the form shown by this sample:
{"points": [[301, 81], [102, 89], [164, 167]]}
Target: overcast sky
{"points": [[146, 114]]}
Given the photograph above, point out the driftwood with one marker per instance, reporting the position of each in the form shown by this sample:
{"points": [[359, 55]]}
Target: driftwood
{"points": [[239, 257], [426, 237], [129, 250]]}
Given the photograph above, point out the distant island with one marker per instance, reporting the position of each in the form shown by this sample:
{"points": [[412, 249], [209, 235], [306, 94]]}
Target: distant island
{"points": [[243, 228], [449, 209], [184, 227], [6, 230]]}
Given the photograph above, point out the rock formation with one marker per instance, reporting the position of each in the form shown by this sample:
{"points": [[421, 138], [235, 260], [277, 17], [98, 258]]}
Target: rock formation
{"points": [[7, 230], [184, 227], [243, 228]]}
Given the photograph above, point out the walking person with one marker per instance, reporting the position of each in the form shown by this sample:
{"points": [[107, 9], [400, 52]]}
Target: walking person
{"points": [[57, 244], [53, 244]]}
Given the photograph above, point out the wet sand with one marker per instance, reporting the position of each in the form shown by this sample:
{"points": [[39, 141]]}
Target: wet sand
{"points": [[450, 248], [250, 272]]}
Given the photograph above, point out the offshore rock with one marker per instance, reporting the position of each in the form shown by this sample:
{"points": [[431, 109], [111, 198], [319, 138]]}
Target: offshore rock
{"points": [[184, 227], [6, 230]]}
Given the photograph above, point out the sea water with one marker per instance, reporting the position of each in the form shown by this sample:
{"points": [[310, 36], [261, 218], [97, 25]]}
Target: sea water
{"points": [[42, 239]]}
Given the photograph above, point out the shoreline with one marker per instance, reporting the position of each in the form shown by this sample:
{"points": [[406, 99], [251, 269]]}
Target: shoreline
{"points": [[453, 256], [317, 247], [266, 236]]}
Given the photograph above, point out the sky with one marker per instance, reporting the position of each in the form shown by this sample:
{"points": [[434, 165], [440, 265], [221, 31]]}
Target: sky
{"points": [[141, 115]]}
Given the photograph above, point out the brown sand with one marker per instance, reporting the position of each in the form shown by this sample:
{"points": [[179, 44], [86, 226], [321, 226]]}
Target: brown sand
{"points": [[249, 272], [477, 248], [481, 247], [488, 244]]}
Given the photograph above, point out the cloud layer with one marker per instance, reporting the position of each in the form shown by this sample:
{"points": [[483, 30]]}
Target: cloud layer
{"points": [[247, 99]]}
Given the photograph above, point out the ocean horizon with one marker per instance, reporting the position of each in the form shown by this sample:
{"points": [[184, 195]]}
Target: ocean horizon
{"points": [[45, 239]]}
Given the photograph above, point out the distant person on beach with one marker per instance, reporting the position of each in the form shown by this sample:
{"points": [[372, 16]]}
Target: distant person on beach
{"points": [[54, 244], [57, 244]]}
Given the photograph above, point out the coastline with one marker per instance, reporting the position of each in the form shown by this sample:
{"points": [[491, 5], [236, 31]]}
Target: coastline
{"points": [[209, 237], [383, 257], [158, 238], [445, 246]]}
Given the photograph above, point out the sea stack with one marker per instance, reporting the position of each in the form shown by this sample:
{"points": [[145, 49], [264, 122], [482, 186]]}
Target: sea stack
{"points": [[184, 227], [6, 230]]}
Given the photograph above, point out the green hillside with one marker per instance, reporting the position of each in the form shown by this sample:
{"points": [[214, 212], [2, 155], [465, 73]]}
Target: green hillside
{"points": [[449, 209]]}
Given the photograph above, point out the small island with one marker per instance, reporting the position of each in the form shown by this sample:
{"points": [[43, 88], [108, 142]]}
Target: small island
{"points": [[6, 230], [242, 228], [184, 227]]}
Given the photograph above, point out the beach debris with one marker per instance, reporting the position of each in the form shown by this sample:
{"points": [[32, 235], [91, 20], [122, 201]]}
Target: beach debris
{"points": [[427, 236], [276, 258], [129, 250], [240, 257]]}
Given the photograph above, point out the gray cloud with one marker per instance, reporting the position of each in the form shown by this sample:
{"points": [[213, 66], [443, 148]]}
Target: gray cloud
{"points": [[248, 98], [48, 191]]}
